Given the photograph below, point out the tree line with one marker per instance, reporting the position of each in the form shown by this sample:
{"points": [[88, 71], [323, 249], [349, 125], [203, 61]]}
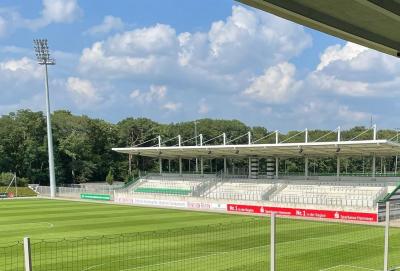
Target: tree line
{"points": [[82, 145]]}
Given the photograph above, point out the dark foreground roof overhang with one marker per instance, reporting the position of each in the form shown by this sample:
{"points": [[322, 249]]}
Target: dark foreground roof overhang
{"points": [[285, 150], [371, 23]]}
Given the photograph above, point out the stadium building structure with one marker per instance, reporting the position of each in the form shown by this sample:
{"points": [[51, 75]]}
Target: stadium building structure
{"points": [[357, 197]]}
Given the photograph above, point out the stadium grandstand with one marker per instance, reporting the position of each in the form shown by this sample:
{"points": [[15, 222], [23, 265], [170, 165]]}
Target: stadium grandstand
{"points": [[251, 190]]}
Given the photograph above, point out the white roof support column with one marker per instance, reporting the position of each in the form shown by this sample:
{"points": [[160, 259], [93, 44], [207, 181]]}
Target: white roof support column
{"points": [[306, 168], [249, 168], [306, 158], [276, 158], [225, 166], [373, 166], [180, 165], [249, 138], [374, 127], [180, 158], [159, 158], [201, 166], [338, 168], [306, 135], [224, 140], [201, 158], [338, 158]]}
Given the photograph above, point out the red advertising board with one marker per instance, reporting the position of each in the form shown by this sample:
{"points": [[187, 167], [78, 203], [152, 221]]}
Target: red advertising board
{"points": [[326, 214]]}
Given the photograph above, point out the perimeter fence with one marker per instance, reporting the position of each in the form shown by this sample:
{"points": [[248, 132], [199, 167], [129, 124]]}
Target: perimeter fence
{"points": [[255, 244], [233, 246]]}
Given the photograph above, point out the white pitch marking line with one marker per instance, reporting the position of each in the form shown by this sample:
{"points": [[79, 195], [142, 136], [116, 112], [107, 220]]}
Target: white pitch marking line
{"points": [[163, 263], [351, 266], [49, 225], [22, 225]]}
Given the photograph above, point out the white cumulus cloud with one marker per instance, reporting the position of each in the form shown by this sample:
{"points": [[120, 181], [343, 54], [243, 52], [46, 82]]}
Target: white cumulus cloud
{"points": [[353, 70], [221, 58], [61, 11], [276, 85], [22, 69], [340, 53], [83, 91], [171, 106], [155, 93], [53, 11], [109, 24]]}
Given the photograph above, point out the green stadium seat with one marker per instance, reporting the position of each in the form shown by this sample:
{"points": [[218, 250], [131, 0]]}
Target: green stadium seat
{"points": [[173, 191]]}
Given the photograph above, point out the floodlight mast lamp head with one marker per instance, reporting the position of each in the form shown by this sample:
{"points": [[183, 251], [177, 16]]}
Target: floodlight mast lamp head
{"points": [[42, 52]]}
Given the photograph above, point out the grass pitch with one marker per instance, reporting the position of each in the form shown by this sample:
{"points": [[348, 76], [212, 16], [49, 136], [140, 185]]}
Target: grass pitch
{"points": [[96, 236]]}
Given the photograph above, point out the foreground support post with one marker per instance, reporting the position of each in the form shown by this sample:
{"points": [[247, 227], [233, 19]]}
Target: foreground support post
{"points": [[27, 254], [387, 226], [272, 242]]}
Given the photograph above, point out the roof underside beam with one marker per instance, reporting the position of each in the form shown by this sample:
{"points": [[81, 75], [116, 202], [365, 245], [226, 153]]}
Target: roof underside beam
{"points": [[322, 149], [371, 23]]}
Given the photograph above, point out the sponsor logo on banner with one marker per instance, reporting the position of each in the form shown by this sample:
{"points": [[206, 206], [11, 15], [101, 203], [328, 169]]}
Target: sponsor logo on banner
{"points": [[327, 214], [151, 202], [170, 203], [206, 205]]}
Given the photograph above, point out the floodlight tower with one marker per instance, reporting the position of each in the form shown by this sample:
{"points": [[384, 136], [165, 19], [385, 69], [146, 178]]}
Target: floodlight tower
{"points": [[43, 58]]}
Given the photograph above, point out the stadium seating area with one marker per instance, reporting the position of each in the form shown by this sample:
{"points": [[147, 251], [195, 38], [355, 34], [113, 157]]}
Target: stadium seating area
{"points": [[239, 191], [332, 195], [171, 187], [284, 191]]}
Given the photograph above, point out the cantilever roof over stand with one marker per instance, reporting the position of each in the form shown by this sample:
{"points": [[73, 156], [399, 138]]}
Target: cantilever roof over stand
{"points": [[371, 23], [312, 149]]}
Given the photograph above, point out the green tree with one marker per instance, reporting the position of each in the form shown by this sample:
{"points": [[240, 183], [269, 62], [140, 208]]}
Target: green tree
{"points": [[110, 177]]}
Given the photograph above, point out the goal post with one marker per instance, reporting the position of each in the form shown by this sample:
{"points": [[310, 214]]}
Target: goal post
{"points": [[7, 194]]}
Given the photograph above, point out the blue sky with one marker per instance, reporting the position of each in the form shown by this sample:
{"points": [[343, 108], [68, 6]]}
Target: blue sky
{"points": [[183, 60]]}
